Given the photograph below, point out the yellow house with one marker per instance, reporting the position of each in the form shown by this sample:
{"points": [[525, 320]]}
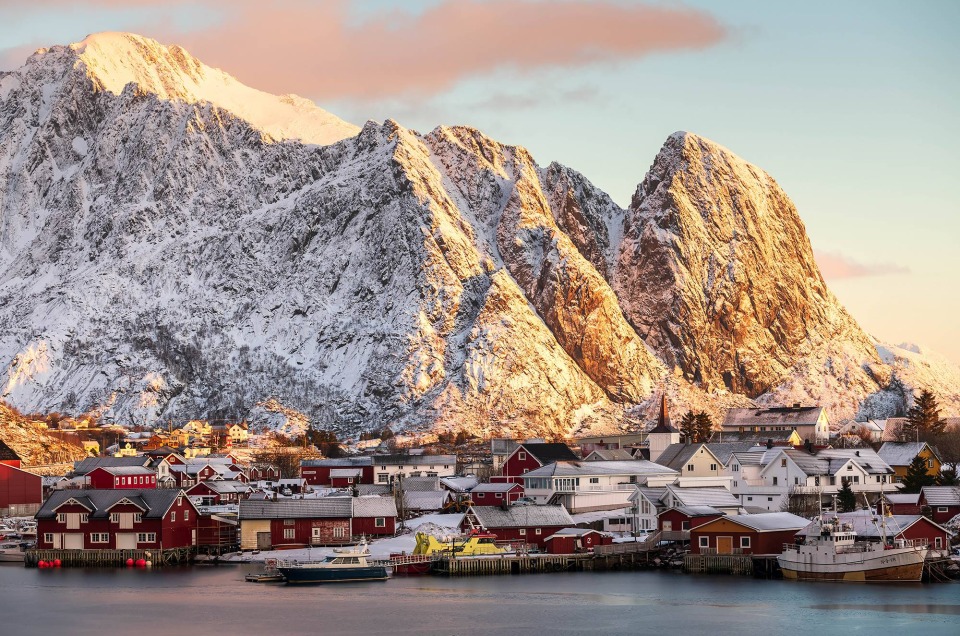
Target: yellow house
{"points": [[692, 460], [899, 456], [92, 447]]}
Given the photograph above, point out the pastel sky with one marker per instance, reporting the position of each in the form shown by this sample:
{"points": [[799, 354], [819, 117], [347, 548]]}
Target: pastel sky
{"points": [[853, 106]]}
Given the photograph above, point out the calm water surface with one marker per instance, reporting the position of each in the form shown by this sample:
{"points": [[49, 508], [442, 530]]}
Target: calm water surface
{"points": [[218, 600]]}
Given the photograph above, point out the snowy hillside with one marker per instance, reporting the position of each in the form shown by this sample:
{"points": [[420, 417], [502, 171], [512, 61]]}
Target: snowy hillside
{"points": [[169, 249]]}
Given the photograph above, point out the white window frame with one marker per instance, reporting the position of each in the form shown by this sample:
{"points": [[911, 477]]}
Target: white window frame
{"points": [[289, 533], [339, 532], [173, 516], [523, 532], [114, 517], [705, 542], [499, 495], [744, 543], [61, 517], [522, 456], [48, 537], [379, 522], [137, 517]]}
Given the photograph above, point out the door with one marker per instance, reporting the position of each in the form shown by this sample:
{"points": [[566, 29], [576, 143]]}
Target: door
{"points": [[57, 541], [315, 535], [724, 545], [263, 541], [72, 541], [126, 541], [193, 536]]}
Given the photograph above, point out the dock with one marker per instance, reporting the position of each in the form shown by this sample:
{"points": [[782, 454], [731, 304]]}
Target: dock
{"points": [[511, 564], [108, 558]]}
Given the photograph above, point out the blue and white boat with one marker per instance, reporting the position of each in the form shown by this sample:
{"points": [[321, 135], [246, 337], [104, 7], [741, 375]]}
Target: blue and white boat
{"points": [[346, 565]]}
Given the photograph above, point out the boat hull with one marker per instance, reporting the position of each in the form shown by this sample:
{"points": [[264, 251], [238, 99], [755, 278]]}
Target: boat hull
{"points": [[334, 575], [888, 565]]}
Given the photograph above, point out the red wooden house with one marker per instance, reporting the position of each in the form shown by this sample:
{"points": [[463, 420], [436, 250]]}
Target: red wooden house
{"points": [[8, 457], [746, 534], [293, 523], [900, 504], [685, 518], [219, 492], [496, 494], [530, 524], [573, 540], [337, 473], [942, 502], [263, 473], [530, 456], [21, 493], [122, 477], [117, 519]]}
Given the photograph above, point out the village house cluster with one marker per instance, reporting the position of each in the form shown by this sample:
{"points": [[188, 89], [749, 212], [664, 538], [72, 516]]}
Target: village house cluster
{"points": [[739, 493]]}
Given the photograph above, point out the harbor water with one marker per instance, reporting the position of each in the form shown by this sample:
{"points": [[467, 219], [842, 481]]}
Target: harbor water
{"points": [[216, 599]]}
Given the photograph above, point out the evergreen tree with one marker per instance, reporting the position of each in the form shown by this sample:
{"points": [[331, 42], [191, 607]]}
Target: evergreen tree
{"points": [[917, 476], [846, 500], [923, 419], [696, 427], [948, 477]]}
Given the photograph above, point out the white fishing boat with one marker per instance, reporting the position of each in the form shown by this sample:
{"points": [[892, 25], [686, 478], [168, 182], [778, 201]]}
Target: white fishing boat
{"points": [[836, 554]]}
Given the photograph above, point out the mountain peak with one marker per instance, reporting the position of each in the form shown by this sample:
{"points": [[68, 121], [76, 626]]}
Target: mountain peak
{"points": [[112, 60]]}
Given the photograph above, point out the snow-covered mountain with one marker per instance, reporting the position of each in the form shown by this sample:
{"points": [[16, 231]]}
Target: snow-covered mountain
{"points": [[174, 244]]}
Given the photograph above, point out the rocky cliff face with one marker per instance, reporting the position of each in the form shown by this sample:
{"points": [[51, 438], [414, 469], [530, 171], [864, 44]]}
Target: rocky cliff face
{"points": [[33, 442], [166, 253]]}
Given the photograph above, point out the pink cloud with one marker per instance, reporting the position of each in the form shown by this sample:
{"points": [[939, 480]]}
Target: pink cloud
{"points": [[325, 51], [835, 266]]}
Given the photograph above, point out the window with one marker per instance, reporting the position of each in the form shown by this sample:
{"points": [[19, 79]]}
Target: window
{"points": [[594, 480], [289, 533], [783, 463], [186, 515], [816, 480], [938, 542], [84, 517], [796, 481], [690, 467], [383, 478], [749, 498], [713, 466], [48, 537], [929, 463], [744, 542], [775, 481], [61, 517], [99, 537], [941, 508], [526, 470], [521, 456], [523, 532], [499, 495], [138, 517], [380, 522], [146, 537], [734, 484], [769, 498], [289, 522], [339, 532], [173, 516], [735, 468], [704, 542], [446, 465], [684, 525], [114, 517]]}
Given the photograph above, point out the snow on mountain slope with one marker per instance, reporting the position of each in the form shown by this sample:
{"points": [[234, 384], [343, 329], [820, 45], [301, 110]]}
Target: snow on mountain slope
{"points": [[113, 60], [162, 256]]}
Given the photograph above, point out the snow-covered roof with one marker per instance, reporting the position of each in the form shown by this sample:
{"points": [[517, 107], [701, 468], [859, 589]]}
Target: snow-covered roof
{"points": [[374, 507], [494, 487], [902, 497], [770, 521], [942, 495], [600, 468], [421, 484], [900, 453], [696, 511], [414, 460], [521, 516], [127, 470], [676, 456], [459, 484], [717, 497], [575, 532], [724, 451], [426, 499], [775, 416], [609, 454], [325, 507], [345, 472]]}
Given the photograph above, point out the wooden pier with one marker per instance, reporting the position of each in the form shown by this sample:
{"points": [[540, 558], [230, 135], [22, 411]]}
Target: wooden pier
{"points": [[741, 564], [512, 564], [108, 558]]}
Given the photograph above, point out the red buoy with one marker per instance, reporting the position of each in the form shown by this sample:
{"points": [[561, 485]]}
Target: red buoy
{"points": [[141, 563], [41, 564], [129, 563], [56, 563]]}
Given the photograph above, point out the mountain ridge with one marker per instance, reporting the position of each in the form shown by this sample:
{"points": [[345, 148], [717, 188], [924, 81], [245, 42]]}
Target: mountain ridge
{"points": [[178, 262]]}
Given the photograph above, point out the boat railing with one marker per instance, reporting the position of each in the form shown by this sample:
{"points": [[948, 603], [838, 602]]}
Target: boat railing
{"points": [[404, 559]]}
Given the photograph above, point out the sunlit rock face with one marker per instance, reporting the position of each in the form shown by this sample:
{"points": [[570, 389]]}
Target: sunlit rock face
{"points": [[165, 253]]}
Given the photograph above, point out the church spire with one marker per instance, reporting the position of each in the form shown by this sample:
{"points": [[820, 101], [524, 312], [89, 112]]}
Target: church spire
{"points": [[663, 420]]}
